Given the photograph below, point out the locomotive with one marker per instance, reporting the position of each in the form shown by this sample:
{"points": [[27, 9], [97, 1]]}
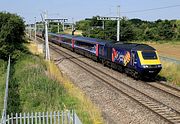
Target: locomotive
{"points": [[136, 60]]}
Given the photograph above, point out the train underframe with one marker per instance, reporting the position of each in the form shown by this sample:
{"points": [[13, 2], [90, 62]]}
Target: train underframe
{"points": [[129, 71]]}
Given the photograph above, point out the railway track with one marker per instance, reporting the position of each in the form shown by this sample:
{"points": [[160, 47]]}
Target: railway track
{"points": [[166, 112], [175, 92], [172, 91], [171, 87]]}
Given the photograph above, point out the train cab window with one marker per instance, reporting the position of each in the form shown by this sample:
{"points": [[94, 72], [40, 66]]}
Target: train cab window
{"points": [[149, 55]]}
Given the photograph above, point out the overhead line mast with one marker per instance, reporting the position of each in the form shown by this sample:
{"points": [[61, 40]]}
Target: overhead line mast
{"points": [[113, 18], [46, 21], [118, 24]]}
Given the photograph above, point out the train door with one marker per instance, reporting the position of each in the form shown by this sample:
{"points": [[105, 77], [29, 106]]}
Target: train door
{"points": [[134, 58], [109, 54]]}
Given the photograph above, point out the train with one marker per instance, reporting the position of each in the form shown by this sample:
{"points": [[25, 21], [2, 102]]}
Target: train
{"points": [[137, 60]]}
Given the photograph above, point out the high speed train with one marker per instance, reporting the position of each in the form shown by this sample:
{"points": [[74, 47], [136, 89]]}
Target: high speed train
{"points": [[137, 60]]}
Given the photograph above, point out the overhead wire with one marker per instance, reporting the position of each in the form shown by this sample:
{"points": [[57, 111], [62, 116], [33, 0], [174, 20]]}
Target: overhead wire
{"points": [[143, 10], [152, 9]]}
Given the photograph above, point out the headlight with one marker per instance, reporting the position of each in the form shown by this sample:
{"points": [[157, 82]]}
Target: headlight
{"points": [[145, 66], [159, 66]]}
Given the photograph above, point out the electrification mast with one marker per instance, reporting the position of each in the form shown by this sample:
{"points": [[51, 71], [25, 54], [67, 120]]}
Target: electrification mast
{"points": [[113, 18], [46, 21]]}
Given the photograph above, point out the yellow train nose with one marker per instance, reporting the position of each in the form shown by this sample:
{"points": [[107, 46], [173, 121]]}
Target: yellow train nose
{"points": [[149, 60]]}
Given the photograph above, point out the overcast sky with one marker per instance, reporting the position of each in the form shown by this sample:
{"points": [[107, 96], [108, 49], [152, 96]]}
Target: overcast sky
{"points": [[81, 9]]}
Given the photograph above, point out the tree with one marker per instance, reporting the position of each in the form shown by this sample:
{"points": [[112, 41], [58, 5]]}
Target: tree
{"points": [[95, 22], [177, 30], [165, 30], [83, 25], [12, 31], [126, 30], [133, 29]]}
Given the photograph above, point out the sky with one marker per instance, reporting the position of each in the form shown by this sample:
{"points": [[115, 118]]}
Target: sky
{"points": [[75, 10]]}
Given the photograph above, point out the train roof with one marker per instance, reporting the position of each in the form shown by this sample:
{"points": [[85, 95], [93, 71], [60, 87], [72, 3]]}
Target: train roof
{"points": [[131, 46], [67, 36], [54, 34], [83, 39], [62, 35], [86, 39], [92, 40]]}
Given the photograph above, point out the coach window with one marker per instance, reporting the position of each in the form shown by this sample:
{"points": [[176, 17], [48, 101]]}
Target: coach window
{"points": [[67, 40]]}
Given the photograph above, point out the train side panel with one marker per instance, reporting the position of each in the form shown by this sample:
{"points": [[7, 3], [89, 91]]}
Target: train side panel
{"points": [[121, 56], [87, 49], [67, 43]]}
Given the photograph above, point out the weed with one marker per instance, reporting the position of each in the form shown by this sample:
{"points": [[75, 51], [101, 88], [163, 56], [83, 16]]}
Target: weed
{"points": [[34, 89], [3, 67], [171, 72], [85, 107]]}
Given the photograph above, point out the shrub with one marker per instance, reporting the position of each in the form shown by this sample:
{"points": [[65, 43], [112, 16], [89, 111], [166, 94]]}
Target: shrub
{"points": [[12, 33]]}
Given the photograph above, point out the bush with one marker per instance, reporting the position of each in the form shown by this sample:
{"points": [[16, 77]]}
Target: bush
{"points": [[12, 31]]}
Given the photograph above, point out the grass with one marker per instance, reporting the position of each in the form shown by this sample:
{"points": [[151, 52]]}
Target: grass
{"points": [[171, 72], [158, 42], [3, 67], [85, 105], [39, 86], [32, 90]]}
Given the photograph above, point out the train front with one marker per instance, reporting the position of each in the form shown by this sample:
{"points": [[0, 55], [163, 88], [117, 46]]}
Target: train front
{"points": [[150, 64]]}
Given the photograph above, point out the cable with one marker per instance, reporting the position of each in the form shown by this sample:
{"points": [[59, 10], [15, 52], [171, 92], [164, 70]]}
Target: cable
{"points": [[136, 11]]}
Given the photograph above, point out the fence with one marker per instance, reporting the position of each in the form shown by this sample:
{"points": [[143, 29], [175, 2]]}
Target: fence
{"points": [[3, 119], [66, 117], [43, 118]]}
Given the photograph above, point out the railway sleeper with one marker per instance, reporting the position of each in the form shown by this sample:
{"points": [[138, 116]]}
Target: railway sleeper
{"points": [[174, 117]]}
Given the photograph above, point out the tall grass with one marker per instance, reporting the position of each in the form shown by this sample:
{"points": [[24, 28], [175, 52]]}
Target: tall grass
{"points": [[85, 106], [3, 66], [34, 89], [86, 110], [171, 72]]}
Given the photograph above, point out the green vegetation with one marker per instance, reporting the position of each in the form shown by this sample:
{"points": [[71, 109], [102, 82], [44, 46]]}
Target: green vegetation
{"points": [[171, 72], [33, 89], [11, 35], [54, 27], [11, 44], [3, 67], [131, 29]]}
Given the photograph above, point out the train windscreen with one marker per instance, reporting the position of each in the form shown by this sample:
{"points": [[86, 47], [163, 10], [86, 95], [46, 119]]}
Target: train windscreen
{"points": [[149, 55]]}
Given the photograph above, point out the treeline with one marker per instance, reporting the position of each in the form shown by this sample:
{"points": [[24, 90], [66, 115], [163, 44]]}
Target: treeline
{"points": [[131, 29], [12, 35]]}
